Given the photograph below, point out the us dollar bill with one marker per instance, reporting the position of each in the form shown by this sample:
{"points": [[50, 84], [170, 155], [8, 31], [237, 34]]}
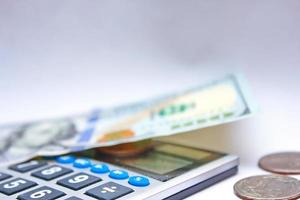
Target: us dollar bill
{"points": [[220, 101]]}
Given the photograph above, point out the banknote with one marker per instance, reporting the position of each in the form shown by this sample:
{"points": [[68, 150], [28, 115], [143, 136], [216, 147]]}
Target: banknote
{"points": [[220, 101], [47, 137]]}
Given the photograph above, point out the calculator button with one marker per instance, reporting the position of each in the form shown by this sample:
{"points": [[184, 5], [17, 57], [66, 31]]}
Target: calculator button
{"points": [[118, 174], [139, 181], [100, 168], [78, 181], [27, 166], [82, 163], [73, 198], [65, 159], [15, 185], [42, 193], [109, 191], [4, 176], [51, 172]]}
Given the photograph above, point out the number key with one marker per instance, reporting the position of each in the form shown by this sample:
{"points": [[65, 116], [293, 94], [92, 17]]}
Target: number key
{"points": [[42, 193], [51, 172], [78, 181], [27, 166], [15, 185]]}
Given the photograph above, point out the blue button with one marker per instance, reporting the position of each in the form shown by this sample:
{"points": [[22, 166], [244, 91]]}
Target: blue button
{"points": [[100, 168], [118, 174], [65, 159], [139, 181], [82, 163]]}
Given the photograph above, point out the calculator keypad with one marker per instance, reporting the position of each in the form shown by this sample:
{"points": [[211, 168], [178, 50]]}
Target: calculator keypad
{"points": [[78, 181], [15, 185], [27, 166], [109, 191], [53, 178], [42, 193], [4, 176], [52, 172]]}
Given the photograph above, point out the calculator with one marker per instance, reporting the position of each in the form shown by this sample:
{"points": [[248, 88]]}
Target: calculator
{"points": [[166, 171]]}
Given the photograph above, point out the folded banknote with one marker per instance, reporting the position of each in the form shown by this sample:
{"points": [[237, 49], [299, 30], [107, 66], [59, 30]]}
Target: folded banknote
{"points": [[221, 101]]}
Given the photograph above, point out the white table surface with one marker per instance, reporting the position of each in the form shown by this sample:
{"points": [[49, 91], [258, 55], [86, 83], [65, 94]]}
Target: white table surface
{"points": [[64, 57]]}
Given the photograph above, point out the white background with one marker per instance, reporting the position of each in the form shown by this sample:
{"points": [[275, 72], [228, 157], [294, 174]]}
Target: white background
{"points": [[64, 57]]}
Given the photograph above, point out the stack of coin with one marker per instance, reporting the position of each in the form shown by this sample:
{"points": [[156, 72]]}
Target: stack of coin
{"points": [[273, 187]]}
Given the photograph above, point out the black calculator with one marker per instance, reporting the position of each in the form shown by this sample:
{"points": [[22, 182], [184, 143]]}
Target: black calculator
{"points": [[166, 171]]}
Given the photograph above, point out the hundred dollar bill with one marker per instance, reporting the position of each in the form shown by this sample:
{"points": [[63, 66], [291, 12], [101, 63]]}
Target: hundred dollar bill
{"points": [[48, 137], [218, 102]]}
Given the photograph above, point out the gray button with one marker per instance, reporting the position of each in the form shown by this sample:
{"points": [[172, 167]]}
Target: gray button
{"points": [[109, 191], [4, 176], [78, 181], [73, 198], [51, 172], [15, 185], [42, 193], [27, 166]]}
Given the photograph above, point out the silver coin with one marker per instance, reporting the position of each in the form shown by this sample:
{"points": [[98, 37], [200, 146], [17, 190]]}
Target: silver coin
{"points": [[268, 187]]}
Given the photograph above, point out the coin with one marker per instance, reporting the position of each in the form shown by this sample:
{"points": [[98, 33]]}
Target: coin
{"points": [[268, 187], [281, 163], [127, 149]]}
